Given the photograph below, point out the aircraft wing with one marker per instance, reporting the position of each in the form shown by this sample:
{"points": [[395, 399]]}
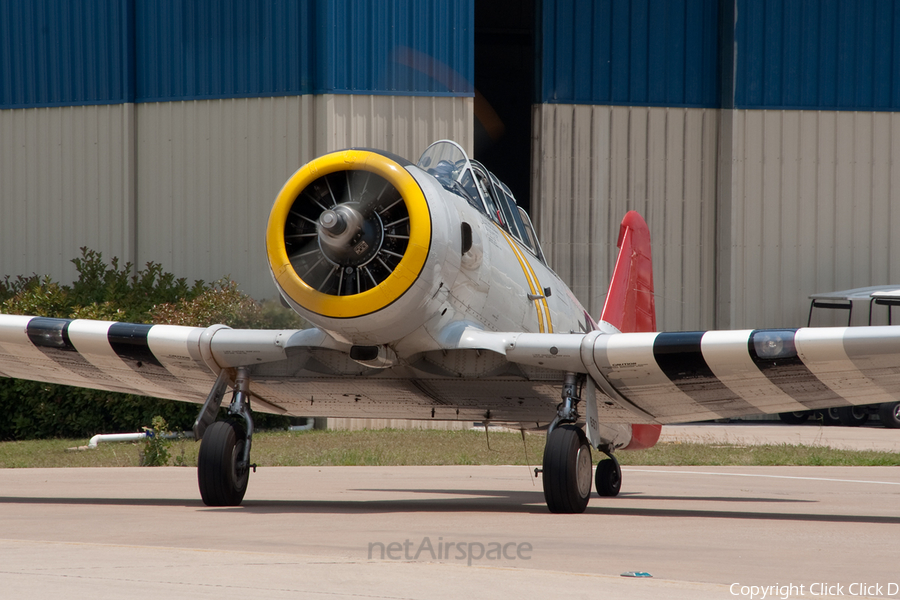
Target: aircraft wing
{"points": [[163, 361], [644, 377], [294, 372], [690, 376]]}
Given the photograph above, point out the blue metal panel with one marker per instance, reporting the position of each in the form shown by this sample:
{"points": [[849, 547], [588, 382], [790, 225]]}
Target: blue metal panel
{"points": [[235, 48], [818, 54], [224, 48], [396, 47], [63, 52], [637, 52]]}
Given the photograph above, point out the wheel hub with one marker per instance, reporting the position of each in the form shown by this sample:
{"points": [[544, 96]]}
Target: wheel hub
{"points": [[583, 470]]}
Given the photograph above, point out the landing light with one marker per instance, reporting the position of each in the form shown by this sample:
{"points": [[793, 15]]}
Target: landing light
{"points": [[774, 343]]}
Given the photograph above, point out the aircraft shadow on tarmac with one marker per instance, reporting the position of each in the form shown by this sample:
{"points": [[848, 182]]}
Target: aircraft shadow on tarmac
{"points": [[502, 501]]}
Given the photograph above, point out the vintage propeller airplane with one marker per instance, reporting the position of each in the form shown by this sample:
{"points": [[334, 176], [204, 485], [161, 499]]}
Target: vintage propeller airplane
{"points": [[432, 300]]}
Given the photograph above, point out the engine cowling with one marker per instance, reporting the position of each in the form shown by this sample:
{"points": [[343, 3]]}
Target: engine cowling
{"points": [[348, 239]]}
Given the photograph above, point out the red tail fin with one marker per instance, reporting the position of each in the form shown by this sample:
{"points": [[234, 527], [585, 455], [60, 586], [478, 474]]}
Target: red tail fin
{"points": [[629, 304]]}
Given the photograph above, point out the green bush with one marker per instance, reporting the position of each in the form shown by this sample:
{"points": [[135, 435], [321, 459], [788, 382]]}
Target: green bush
{"points": [[35, 410], [156, 447], [101, 292]]}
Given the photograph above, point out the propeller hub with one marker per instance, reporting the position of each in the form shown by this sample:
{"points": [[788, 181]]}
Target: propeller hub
{"points": [[348, 238], [345, 233], [332, 223]]}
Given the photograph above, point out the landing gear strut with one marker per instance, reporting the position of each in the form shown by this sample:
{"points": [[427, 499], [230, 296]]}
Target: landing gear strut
{"points": [[567, 456], [223, 465]]}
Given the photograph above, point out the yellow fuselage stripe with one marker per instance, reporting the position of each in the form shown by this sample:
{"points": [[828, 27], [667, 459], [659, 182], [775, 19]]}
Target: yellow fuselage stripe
{"points": [[533, 283]]}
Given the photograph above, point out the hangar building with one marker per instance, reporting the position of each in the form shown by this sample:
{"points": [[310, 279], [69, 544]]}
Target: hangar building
{"points": [[757, 137]]}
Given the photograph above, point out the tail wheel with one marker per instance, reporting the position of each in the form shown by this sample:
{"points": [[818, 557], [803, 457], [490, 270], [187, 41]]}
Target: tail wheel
{"points": [[608, 478], [223, 480], [567, 470]]}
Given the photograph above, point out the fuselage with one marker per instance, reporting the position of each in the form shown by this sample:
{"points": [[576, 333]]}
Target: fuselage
{"points": [[460, 254]]}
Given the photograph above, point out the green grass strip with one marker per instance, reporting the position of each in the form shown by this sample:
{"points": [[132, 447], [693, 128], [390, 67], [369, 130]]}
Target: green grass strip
{"points": [[430, 447]]}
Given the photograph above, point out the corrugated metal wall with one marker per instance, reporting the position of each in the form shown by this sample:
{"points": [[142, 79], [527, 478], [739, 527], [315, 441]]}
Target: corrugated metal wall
{"points": [[66, 178], [397, 47], [185, 184], [817, 54], [56, 53], [209, 170], [783, 204], [404, 125], [629, 123], [224, 49], [592, 164], [65, 52], [189, 183], [806, 196], [633, 52], [814, 200], [751, 209], [207, 175]]}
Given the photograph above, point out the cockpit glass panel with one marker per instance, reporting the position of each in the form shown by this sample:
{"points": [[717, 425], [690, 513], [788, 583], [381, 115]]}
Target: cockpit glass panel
{"points": [[447, 162], [444, 150], [532, 236], [467, 182], [510, 210], [493, 203]]}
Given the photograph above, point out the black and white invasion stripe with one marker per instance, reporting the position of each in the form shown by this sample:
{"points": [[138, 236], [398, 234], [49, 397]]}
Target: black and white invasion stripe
{"points": [[686, 376], [153, 360]]}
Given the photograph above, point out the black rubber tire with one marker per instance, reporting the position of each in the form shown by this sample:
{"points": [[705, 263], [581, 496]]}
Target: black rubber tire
{"points": [[220, 450], [794, 418], [889, 413], [853, 416], [608, 477], [567, 470]]}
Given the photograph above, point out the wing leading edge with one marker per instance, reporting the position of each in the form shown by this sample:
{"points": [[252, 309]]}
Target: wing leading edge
{"points": [[644, 377], [687, 376], [163, 361]]}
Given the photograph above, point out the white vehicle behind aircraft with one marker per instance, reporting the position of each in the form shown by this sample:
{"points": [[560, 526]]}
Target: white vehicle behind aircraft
{"points": [[432, 300]]}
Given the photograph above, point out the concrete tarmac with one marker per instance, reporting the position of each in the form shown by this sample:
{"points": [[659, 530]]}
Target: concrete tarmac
{"points": [[451, 532]]}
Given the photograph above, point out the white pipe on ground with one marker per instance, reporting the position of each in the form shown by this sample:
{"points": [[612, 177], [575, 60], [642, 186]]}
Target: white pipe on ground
{"points": [[117, 437], [133, 437]]}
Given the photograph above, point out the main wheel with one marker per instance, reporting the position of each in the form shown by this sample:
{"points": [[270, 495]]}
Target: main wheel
{"points": [[889, 413], [853, 416], [567, 470], [608, 477], [222, 481], [794, 418]]}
